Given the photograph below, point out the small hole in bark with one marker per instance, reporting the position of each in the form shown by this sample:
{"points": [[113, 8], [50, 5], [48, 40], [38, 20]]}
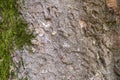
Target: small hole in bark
{"points": [[111, 10]]}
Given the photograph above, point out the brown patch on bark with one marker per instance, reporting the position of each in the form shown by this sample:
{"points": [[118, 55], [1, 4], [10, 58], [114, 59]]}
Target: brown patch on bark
{"points": [[113, 6]]}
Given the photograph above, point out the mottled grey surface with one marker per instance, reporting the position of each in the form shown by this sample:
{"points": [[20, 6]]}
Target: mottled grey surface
{"points": [[73, 41]]}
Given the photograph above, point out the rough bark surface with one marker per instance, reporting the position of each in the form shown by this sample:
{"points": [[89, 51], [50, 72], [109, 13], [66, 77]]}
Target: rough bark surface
{"points": [[77, 40]]}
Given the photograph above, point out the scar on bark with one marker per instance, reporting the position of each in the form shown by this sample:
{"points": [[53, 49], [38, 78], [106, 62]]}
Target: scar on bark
{"points": [[112, 6]]}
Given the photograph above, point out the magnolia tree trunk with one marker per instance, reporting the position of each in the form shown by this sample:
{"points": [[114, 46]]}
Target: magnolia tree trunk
{"points": [[76, 40]]}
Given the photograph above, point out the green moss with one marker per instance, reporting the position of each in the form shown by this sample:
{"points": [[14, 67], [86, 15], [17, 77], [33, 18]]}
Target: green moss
{"points": [[14, 33]]}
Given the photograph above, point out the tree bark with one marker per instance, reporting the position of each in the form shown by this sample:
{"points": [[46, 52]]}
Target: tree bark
{"points": [[77, 40]]}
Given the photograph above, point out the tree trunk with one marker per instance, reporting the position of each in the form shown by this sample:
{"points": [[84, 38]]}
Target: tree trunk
{"points": [[77, 40]]}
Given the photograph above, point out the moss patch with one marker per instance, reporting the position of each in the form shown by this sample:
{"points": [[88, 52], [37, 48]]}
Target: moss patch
{"points": [[14, 33]]}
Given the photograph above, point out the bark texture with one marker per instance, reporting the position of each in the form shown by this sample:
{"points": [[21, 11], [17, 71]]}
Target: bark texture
{"points": [[77, 40]]}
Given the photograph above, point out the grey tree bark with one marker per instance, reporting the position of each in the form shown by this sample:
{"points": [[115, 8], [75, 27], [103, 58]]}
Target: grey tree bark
{"points": [[77, 40]]}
